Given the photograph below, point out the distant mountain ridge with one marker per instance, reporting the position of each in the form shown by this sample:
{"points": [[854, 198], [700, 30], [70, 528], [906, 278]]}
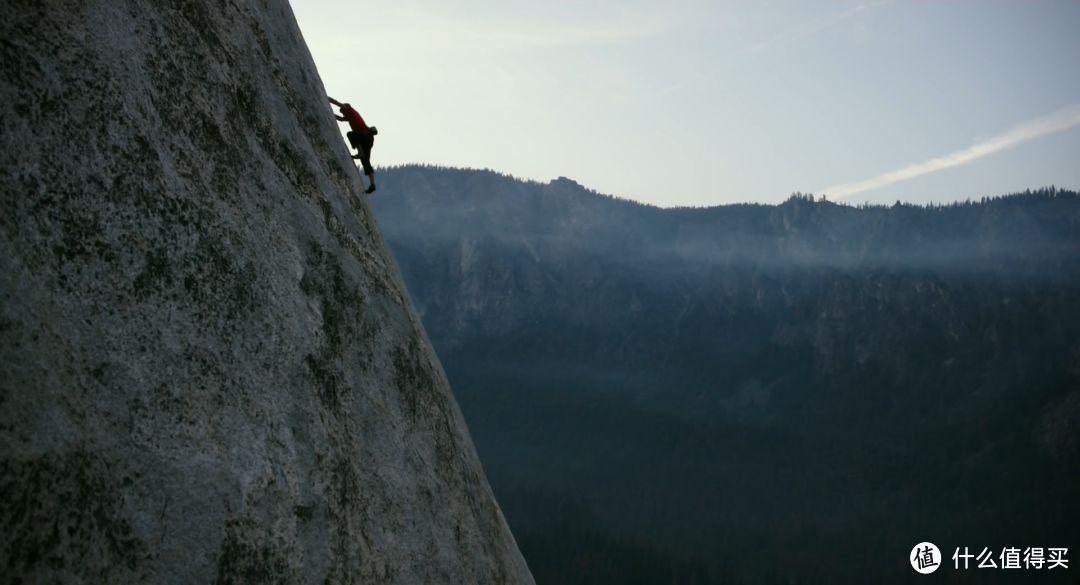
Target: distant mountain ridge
{"points": [[712, 388]]}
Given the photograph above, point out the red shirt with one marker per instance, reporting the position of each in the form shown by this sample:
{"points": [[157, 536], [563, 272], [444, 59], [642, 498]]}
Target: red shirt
{"points": [[355, 121]]}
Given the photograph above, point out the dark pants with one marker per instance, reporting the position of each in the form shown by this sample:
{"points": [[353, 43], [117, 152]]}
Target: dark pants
{"points": [[362, 142]]}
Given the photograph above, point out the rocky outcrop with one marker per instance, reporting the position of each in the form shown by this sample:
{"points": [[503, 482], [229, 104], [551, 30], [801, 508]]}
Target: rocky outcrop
{"points": [[209, 369]]}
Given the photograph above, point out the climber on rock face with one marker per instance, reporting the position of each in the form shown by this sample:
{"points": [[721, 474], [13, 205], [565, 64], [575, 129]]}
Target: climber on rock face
{"points": [[361, 137]]}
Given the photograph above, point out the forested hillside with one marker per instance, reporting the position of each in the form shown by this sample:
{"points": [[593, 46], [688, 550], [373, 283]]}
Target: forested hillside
{"points": [[801, 391]]}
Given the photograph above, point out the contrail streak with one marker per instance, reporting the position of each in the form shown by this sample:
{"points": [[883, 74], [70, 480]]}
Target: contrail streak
{"points": [[1059, 121]]}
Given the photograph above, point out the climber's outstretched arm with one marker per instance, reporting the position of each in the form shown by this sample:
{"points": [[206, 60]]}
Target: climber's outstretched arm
{"points": [[333, 101], [340, 118]]}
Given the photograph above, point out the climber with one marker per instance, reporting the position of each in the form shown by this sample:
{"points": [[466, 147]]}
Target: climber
{"points": [[361, 137]]}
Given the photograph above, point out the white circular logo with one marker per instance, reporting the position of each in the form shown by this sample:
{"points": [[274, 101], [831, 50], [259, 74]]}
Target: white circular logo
{"points": [[925, 558]]}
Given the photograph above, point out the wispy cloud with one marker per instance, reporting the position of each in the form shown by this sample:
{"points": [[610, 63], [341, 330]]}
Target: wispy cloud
{"points": [[813, 27], [570, 36], [789, 35], [1058, 121], [435, 34]]}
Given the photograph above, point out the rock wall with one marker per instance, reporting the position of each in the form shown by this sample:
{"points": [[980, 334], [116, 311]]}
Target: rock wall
{"points": [[209, 368]]}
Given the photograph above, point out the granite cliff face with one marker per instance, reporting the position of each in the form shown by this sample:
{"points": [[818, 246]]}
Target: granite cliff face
{"points": [[210, 368]]}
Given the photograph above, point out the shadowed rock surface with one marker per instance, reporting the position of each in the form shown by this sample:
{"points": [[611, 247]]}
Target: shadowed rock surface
{"points": [[210, 369]]}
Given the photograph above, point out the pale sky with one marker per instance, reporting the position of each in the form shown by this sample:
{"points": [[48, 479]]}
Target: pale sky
{"points": [[704, 103]]}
